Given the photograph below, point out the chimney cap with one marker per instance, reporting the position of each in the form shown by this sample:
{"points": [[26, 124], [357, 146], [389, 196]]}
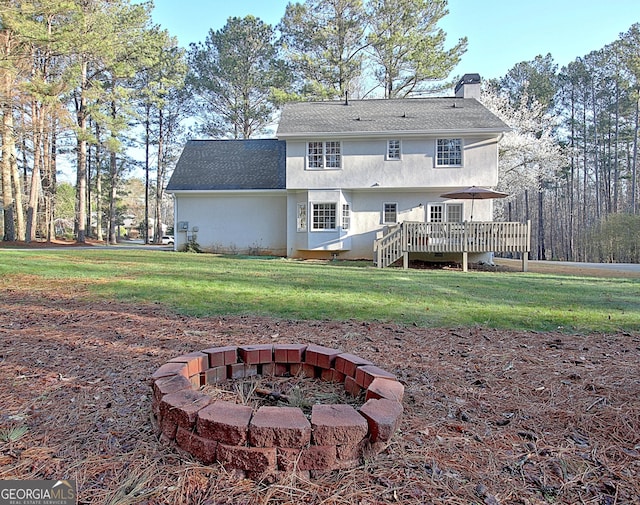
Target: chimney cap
{"points": [[468, 79]]}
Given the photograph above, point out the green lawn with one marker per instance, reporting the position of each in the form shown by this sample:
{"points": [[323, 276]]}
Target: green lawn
{"points": [[204, 285]]}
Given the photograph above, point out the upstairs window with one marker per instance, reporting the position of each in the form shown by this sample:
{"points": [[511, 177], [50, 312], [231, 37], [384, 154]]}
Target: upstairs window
{"points": [[390, 213], [324, 155], [449, 153], [393, 150], [324, 216]]}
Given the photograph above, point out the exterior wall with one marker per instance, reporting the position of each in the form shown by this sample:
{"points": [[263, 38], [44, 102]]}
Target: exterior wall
{"points": [[366, 219], [364, 165], [234, 222]]}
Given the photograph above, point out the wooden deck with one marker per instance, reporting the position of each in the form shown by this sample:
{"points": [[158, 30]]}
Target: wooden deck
{"points": [[469, 237]]}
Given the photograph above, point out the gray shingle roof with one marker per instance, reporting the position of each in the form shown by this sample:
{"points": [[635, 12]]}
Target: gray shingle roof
{"points": [[410, 115], [230, 164]]}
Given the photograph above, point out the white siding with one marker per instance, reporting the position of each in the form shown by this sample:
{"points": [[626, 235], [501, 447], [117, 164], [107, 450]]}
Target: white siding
{"points": [[234, 222], [364, 165]]}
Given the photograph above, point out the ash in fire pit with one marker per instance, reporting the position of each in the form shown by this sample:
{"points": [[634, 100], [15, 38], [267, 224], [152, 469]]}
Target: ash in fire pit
{"points": [[260, 409]]}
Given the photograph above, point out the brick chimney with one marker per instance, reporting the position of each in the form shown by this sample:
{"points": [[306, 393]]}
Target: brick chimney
{"points": [[468, 86]]}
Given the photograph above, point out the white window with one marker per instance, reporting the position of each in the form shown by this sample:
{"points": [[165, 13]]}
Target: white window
{"points": [[302, 217], [390, 212], [324, 155], [454, 212], [449, 153], [436, 213], [324, 216], [346, 216], [393, 150], [315, 155], [445, 212]]}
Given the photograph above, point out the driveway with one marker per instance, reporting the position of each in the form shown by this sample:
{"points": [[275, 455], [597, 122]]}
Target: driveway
{"points": [[625, 270]]}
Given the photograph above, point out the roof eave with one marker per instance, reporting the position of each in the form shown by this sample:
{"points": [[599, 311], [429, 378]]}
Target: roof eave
{"points": [[393, 133], [225, 191]]}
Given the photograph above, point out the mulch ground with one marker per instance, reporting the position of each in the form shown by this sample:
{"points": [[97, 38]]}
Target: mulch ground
{"points": [[491, 417]]}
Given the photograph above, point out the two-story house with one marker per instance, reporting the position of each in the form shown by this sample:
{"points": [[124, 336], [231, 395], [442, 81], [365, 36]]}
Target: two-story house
{"points": [[339, 176]]}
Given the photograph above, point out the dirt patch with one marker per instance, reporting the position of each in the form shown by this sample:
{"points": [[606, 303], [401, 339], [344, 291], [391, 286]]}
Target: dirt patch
{"points": [[493, 417]]}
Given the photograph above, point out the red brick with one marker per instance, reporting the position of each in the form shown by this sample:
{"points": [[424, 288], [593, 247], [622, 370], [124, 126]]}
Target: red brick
{"points": [[241, 370], [171, 384], [168, 429], [351, 453], [202, 449], [169, 369], [222, 356], [155, 408], [385, 388], [351, 456], [251, 459], [196, 381], [256, 354], [331, 375], [224, 422], [315, 457], [347, 363], [365, 375], [351, 387], [383, 417], [215, 375], [275, 369], [303, 369], [319, 356], [337, 425], [196, 361], [182, 407], [289, 353], [279, 427]]}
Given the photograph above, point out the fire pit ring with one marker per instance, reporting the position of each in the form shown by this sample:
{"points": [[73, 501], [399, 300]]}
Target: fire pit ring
{"points": [[273, 439]]}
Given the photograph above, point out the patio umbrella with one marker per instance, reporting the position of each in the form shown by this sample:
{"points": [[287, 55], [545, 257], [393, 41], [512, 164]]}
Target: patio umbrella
{"points": [[474, 193]]}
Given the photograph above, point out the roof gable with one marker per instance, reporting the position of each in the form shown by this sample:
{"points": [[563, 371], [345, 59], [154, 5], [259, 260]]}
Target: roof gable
{"points": [[382, 117], [251, 164]]}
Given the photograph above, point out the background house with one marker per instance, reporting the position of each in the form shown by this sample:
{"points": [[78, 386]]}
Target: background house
{"points": [[339, 173]]}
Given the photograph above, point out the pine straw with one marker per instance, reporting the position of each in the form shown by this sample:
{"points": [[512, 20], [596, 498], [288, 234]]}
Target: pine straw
{"points": [[291, 391], [490, 417]]}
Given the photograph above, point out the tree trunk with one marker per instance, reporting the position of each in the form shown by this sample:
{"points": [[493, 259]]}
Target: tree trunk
{"points": [[81, 179], [634, 166], [35, 186], [159, 178], [98, 192], [8, 203], [53, 182], [146, 174], [113, 169], [17, 194], [542, 254]]}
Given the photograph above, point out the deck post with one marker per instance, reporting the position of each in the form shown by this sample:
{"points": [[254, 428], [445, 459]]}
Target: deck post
{"points": [[465, 261], [405, 260]]}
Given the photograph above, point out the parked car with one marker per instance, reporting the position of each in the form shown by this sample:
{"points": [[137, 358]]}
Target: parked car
{"points": [[167, 240]]}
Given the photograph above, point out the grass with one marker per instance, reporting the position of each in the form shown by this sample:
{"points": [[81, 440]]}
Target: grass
{"points": [[209, 285]]}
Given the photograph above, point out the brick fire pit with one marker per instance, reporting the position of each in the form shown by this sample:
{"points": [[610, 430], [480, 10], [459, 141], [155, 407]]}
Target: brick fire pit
{"points": [[273, 439]]}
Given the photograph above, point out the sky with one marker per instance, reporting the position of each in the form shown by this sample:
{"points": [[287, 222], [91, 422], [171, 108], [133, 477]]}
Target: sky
{"points": [[500, 33]]}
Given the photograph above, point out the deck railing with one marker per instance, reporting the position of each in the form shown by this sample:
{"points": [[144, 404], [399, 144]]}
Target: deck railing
{"points": [[468, 237]]}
